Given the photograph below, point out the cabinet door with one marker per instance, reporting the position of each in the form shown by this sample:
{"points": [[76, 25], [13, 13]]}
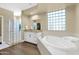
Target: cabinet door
{"points": [[26, 36], [33, 37], [30, 37]]}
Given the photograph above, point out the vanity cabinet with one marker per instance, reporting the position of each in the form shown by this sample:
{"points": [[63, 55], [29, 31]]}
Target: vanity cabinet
{"points": [[31, 37]]}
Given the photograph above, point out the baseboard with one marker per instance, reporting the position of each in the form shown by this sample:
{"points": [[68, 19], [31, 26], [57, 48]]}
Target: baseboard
{"points": [[30, 43]]}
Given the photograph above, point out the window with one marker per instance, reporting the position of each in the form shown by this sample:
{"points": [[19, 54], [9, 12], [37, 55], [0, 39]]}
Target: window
{"points": [[57, 20]]}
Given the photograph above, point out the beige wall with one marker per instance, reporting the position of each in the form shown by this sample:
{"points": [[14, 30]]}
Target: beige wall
{"points": [[70, 13], [25, 21], [77, 20], [71, 23], [7, 15]]}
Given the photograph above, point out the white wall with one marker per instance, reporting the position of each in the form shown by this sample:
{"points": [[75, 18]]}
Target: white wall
{"points": [[7, 15]]}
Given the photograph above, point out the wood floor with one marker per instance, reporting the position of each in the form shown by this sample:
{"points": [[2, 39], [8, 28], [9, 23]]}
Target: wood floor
{"points": [[21, 49]]}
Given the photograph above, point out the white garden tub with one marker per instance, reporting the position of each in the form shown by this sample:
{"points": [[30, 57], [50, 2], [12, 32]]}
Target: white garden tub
{"points": [[58, 45]]}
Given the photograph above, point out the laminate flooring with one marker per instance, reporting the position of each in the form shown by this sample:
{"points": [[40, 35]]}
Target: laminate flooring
{"points": [[23, 48]]}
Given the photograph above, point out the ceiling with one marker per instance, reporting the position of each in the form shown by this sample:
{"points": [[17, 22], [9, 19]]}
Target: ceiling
{"points": [[17, 6], [46, 7], [34, 8]]}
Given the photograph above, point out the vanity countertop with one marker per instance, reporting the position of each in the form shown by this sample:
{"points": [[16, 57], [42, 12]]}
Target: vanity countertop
{"points": [[30, 30]]}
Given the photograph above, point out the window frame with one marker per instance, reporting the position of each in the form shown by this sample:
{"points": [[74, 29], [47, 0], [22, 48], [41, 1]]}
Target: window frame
{"points": [[65, 29]]}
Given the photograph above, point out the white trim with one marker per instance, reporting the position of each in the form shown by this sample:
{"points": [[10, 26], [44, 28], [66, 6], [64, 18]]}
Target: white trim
{"points": [[20, 32], [2, 28]]}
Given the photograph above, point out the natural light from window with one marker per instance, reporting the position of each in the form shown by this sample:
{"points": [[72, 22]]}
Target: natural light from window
{"points": [[57, 20]]}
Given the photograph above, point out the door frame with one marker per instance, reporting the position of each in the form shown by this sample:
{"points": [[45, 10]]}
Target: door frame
{"points": [[1, 28]]}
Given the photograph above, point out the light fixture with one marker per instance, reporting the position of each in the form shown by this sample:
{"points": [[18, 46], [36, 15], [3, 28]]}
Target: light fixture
{"points": [[17, 13], [35, 17]]}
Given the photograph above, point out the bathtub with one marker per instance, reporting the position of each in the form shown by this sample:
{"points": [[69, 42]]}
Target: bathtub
{"points": [[53, 45]]}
